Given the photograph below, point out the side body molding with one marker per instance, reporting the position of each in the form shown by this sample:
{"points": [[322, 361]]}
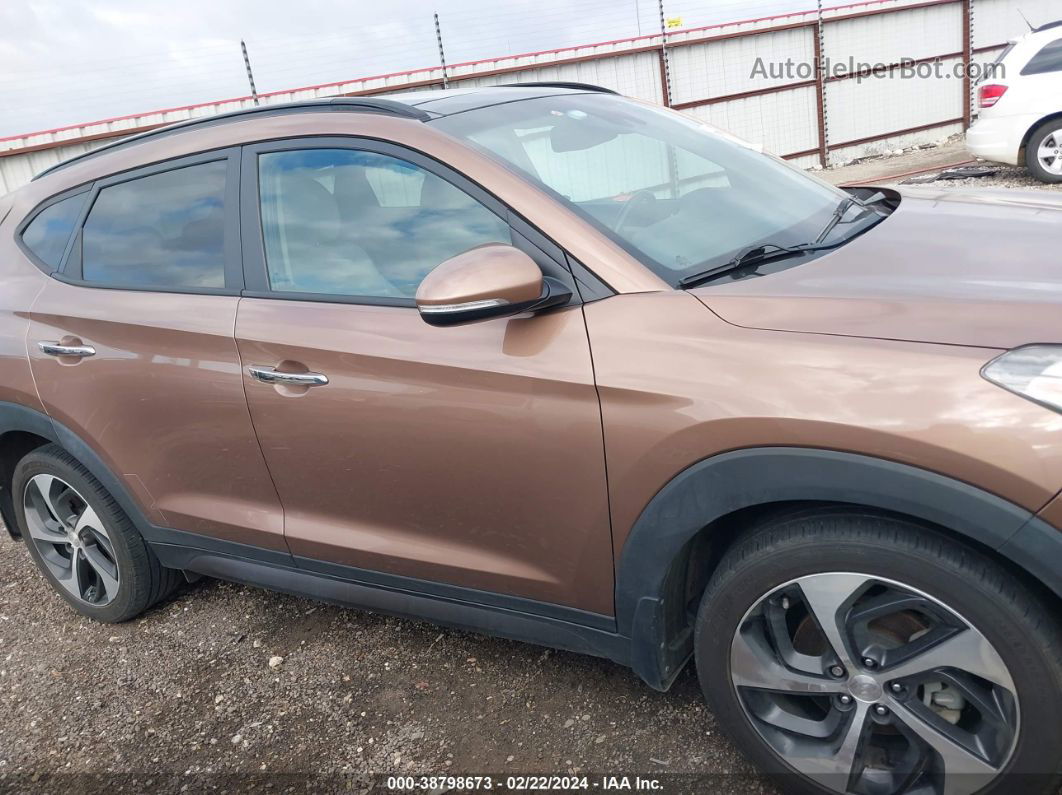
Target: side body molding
{"points": [[649, 608]]}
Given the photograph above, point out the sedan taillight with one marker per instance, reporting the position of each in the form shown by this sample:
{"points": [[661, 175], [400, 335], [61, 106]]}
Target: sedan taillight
{"points": [[991, 94]]}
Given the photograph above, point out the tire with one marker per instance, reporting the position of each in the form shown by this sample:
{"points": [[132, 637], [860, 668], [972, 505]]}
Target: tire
{"points": [[904, 564], [1048, 136], [93, 557]]}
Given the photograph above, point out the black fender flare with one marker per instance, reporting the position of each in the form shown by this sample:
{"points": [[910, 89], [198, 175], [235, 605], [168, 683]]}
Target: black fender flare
{"points": [[728, 482]]}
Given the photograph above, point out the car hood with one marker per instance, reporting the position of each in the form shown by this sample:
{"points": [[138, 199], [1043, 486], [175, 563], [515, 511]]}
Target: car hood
{"points": [[979, 268]]}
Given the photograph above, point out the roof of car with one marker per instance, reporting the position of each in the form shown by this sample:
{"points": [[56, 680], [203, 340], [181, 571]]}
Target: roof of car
{"points": [[446, 102], [418, 105], [1049, 30]]}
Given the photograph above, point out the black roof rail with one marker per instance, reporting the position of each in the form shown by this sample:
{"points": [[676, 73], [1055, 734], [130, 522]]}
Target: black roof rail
{"points": [[562, 84], [1048, 26], [358, 104]]}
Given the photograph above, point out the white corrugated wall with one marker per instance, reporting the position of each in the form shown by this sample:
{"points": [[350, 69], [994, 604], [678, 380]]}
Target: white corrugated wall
{"points": [[711, 79]]}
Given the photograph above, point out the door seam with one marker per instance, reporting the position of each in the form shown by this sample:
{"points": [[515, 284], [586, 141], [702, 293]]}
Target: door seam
{"points": [[30, 319], [604, 457], [254, 429]]}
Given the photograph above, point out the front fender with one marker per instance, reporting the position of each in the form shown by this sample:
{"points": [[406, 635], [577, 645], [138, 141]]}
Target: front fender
{"points": [[647, 604]]}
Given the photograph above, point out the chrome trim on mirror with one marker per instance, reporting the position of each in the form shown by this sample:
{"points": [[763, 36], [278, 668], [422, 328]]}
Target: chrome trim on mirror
{"points": [[468, 306]]}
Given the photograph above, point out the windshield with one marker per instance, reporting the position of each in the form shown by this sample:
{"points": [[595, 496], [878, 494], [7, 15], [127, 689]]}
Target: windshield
{"points": [[676, 194]]}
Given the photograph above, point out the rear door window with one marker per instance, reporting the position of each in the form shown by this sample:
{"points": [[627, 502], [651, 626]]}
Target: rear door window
{"points": [[1049, 59], [163, 230], [48, 233]]}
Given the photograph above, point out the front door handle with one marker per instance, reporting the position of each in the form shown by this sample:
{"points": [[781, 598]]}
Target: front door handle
{"points": [[270, 375], [57, 349]]}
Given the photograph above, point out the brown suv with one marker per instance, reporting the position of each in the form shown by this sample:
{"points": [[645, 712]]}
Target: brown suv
{"points": [[713, 408]]}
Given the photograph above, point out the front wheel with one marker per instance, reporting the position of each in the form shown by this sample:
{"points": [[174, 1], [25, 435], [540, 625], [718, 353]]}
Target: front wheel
{"points": [[857, 653]]}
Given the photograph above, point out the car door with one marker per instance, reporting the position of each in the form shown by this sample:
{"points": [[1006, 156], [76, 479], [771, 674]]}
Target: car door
{"points": [[131, 348], [465, 462]]}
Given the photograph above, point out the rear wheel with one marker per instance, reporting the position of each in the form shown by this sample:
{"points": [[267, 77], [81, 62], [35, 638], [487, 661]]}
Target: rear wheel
{"points": [[859, 653], [1043, 155], [82, 541]]}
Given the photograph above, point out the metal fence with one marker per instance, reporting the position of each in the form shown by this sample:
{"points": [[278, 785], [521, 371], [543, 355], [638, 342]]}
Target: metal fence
{"points": [[818, 87]]}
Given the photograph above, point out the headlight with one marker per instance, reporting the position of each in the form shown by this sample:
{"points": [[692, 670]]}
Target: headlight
{"points": [[1034, 372]]}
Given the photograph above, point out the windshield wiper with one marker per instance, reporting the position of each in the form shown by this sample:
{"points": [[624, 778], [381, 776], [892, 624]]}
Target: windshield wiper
{"points": [[842, 208], [753, 255], [763, 252]]}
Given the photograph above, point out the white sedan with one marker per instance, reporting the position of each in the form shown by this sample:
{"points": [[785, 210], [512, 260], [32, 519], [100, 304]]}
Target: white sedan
{"points": [[1020, 106]]}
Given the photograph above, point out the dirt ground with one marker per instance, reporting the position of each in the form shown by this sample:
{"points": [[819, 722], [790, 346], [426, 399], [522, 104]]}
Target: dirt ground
{"points": [[185, 699]]}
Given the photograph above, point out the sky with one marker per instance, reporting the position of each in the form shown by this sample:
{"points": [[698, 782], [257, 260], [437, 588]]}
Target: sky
{"points": [[70, 61]]}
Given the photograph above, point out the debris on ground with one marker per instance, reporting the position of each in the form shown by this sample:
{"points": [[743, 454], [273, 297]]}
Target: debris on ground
{"points": [[175, 705], [975, 171]]}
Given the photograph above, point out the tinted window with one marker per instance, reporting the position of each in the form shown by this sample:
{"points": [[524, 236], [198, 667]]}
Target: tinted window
{"points": [[48, 233], [345, 222], [1049, 59], [163, 230]]}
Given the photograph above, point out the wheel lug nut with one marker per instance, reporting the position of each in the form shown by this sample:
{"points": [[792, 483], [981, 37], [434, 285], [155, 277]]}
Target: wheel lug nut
{"points": [[881, 709], [869, 663], [845, 699], [896, 687], [836, 670], [785, 602]]}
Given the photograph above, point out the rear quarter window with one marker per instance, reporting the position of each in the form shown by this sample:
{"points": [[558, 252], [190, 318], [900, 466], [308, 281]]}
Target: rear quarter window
{"points": [[49, 232], [1049, 59]]}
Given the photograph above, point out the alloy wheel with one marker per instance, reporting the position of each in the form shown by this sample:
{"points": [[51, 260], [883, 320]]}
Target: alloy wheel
{"points": [[1050, 152], [71, 540], [869, 686]]}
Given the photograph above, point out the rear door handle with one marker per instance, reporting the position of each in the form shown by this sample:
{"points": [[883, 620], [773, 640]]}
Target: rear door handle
{"points": [[55, 349], [269, 375]]}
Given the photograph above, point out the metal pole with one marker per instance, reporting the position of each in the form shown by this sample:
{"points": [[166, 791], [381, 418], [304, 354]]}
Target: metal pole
{"points": [[967, 57], [820, 90], [665, 73], [442, 52], [250, 75], [638, 17], [664, 60]]}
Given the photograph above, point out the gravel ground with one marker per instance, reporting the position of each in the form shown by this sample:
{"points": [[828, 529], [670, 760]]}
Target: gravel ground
{"points": [[928, 158], [1006, 177], [186, 699]]}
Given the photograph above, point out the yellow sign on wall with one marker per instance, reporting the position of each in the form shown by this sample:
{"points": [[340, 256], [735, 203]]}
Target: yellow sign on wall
{"points": [[673, 22]]}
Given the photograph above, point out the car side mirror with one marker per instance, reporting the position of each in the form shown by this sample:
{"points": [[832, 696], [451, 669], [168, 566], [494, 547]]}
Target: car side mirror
{"points": [[494, 280]]}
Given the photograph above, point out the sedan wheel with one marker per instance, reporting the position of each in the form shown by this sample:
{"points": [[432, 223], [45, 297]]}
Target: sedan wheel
{"points": [[860, 682]]}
